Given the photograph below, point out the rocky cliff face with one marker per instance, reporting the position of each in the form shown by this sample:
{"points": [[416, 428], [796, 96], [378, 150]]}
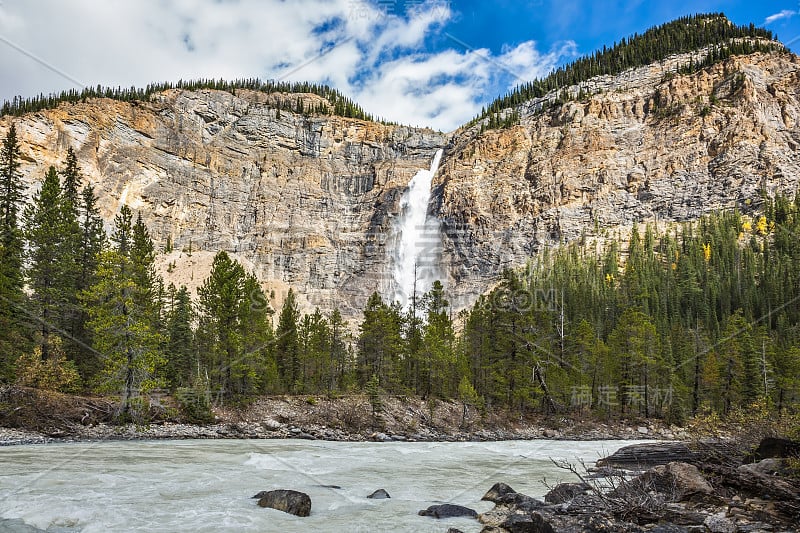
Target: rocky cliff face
{"points": [[649, 144], [307, 202], [303, 202]]}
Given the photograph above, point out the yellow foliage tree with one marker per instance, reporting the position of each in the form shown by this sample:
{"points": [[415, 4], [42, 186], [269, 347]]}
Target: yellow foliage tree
{"points": [[761, 225], [55, 373]]}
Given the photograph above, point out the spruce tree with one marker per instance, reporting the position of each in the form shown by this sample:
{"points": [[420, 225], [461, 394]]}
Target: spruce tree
{"points": [[49, 274], [259, 371], [92, 241], [12, 297], [180, 349], [338, 348], [439, 340], [380, 343], [219, 333], [71, 176], [71, 256], [121, 323]]}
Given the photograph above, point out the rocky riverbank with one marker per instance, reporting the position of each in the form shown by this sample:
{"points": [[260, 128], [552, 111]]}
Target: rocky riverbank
{"points": [[28, 416], [707, 495]]}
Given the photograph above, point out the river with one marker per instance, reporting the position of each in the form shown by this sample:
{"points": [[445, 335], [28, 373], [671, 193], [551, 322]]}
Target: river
{"points": [[206, 485]]}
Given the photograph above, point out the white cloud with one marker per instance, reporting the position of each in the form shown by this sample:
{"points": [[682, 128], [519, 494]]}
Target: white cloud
{"points": [[785, 14], [378, 59]]}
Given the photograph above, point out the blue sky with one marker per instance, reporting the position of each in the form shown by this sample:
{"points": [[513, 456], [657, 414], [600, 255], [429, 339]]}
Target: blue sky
{"points": [[426, 63]]}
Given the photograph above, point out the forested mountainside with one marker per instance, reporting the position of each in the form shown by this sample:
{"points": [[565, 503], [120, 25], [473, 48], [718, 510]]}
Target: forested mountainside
{"points": [[627, 237]]}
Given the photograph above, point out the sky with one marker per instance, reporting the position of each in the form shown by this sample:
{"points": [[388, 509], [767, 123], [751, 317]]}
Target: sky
{"points": [[418, 62]]}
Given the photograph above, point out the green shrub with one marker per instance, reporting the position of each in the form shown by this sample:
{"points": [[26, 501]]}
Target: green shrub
{"points": [[195, 405]]}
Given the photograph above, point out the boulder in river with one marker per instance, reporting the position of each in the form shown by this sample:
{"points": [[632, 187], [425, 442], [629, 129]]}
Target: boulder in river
{"points": [[502, 494], [379, 494], [642, 456], [448, 510], [288, 501], [497, 492]]}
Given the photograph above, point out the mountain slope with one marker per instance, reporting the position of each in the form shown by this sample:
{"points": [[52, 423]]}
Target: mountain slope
{"points": [[652, 144]]}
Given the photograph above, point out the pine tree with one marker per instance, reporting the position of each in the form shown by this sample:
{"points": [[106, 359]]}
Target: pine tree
{"points": [[142, 254], [180, 349], [12, 297], [122, 334], [287, 343], [380, 343], [50, 273], [438, 341], [92, 242], [71, 176], [219, 333], [338, 355], [255, 319]]}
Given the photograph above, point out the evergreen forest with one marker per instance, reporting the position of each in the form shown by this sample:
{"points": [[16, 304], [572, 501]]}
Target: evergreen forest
{"points": [[665, 321]]}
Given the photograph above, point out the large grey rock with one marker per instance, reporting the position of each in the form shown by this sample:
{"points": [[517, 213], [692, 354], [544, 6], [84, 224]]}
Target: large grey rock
{"points": [[288, 501], [640, 456], [448, 510], [675, 481], [774, 466]]}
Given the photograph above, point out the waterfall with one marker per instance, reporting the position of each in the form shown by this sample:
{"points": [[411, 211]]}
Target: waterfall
{"points": [[416, 240]]}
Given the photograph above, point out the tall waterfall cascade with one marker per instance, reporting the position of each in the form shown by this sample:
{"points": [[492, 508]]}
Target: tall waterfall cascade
{"points": [[416, 240]]}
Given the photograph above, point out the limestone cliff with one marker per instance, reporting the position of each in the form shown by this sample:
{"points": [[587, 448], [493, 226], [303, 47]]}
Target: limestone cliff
{"points": [[307, 201]]}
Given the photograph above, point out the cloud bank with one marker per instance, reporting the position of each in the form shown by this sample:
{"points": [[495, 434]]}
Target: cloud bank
{"points": [[378, 57]]}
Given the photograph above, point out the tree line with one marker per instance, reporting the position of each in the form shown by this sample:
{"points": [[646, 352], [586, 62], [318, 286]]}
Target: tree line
{"points": [[666, 321], [682, 35], [338, 104]]}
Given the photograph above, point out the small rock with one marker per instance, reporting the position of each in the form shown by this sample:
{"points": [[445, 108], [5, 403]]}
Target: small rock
{"points": [[448, 510], [769, 467], [643, 430], [564, 492], [497, 492], [719, 523], [288, 501], [379, 494], [669, 528], [527, 523]]}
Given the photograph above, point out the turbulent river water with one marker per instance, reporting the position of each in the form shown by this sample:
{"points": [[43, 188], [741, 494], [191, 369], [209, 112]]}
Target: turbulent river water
{"points": [[206, 485]]}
